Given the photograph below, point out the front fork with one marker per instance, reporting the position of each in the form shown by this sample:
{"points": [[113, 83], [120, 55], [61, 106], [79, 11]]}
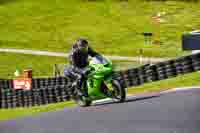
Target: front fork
{"points": [[108, 83]]}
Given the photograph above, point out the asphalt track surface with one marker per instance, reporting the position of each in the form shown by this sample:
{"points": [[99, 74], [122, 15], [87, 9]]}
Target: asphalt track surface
{"points": [[172, 112]]}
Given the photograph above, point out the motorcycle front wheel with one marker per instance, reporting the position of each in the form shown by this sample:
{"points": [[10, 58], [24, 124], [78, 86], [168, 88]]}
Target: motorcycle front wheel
{"points": [[119, 93]]}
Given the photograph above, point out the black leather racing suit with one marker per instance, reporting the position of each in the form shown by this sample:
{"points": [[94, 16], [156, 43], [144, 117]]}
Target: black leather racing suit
{"points": [[79, 58]]}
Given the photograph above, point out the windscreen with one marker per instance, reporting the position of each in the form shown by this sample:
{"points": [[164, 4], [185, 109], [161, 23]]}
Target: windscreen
{"points": [[96, 60]]}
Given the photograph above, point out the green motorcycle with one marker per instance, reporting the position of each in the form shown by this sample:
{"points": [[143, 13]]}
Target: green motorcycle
{"points": [[99, 84]]}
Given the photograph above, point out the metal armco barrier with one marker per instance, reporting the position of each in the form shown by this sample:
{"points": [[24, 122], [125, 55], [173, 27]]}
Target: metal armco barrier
{"points": [[53, 90]]}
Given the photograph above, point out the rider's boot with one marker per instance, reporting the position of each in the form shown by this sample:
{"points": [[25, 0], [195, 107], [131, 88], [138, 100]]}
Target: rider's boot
{"points": [[82, 93], [81, 86]]}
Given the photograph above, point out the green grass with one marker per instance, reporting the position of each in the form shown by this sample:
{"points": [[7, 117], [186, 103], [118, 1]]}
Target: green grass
{"points": [[42, 66], [6, 114], [180, 81], [112, 27]]}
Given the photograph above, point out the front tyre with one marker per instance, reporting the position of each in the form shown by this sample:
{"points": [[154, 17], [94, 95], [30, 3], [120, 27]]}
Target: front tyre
{"points": [[119, 92]]}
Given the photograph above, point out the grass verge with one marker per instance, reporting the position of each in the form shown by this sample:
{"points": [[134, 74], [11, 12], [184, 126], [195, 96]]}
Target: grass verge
{"points": [[112, 27], [6, 114]]}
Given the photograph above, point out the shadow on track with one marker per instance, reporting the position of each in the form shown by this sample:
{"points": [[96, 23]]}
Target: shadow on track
{"points": [[129, 99]]}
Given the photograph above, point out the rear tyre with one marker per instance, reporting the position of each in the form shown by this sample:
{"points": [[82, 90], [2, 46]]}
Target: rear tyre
{"points": [[119, 92]]}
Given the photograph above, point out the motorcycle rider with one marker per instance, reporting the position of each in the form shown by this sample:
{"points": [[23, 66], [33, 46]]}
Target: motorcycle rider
{"points": [[78, 59]]}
